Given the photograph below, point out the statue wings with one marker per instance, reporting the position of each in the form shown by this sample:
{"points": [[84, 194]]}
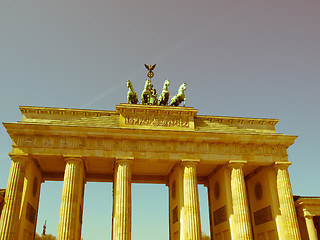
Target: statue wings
{"points": [[150, 68]]}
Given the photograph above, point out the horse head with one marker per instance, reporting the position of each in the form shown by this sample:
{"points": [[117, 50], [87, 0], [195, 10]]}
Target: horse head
{"points": [[129, 84], [166, 84], [183, 87]]}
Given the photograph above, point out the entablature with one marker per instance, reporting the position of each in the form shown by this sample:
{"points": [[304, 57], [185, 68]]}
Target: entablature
{"points": [[20, 130], [156, 137]]}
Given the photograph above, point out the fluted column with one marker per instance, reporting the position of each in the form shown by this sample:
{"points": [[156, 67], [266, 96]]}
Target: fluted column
{"points": [[10, 222], [72, 198], [312, 232], [239, 201], [287, 208], [121, 219], [191, 226]]}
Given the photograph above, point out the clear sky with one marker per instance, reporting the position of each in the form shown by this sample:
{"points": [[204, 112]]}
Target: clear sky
{"points": [[249, 58]]}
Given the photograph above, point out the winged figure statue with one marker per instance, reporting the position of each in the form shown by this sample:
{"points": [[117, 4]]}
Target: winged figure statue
{"points": [[150, 73]]}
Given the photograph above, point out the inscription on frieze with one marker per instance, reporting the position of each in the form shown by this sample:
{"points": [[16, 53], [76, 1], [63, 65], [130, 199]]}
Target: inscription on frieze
{"points": [[262, 216]]}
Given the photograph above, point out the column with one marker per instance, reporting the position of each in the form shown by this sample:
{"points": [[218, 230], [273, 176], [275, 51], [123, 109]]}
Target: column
{"points": [[239, 202], [287, 209], [312, 232], [121, 217], [191, 226], [70, 219], [10, 222]]}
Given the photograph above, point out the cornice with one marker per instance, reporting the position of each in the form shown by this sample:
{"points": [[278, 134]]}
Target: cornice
{"points": [[262, 125], [40, 112], [240, 120], [307, 201]]}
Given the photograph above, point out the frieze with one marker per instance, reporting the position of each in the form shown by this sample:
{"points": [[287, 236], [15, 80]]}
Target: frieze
{"points": [[100, 143], [47, 142], [156, 120], [184, 147], [150, 145], [200, 147]]}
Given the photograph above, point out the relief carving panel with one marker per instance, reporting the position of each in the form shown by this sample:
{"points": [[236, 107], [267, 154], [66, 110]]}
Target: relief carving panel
{"points": [[262, 216], [220, 215], [150, 145], [156, 120]]}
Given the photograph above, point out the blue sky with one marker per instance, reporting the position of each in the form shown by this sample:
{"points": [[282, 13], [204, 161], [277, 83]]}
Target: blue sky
{"points": [[238, 57]]}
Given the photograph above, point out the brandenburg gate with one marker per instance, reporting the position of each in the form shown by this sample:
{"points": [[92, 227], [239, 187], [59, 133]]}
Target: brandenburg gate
{"points": [[242, 161]]}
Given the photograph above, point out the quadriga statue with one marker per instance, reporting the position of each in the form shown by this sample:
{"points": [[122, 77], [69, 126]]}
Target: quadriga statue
{"points": [[145, 95], [180, 97], [164, 97], [131, 96], [153, 96]]}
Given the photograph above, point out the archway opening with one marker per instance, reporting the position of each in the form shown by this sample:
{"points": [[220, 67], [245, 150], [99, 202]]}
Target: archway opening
{"points": [[150, 211], [97, 211], [204, 209], [49, 207]]}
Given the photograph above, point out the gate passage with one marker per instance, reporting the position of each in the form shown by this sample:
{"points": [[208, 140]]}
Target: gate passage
{"points": [[242, 161]]}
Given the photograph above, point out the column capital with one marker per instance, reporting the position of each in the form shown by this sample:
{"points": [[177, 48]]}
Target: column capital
{"points": [[73, 158], [190, 162], [312, 231], [307, 214], [23, 158], [124, 159], [237, 163], [281, 165]]}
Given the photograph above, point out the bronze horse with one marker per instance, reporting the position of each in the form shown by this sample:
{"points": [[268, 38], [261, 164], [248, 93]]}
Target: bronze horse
{"points": [[131, 96]]}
